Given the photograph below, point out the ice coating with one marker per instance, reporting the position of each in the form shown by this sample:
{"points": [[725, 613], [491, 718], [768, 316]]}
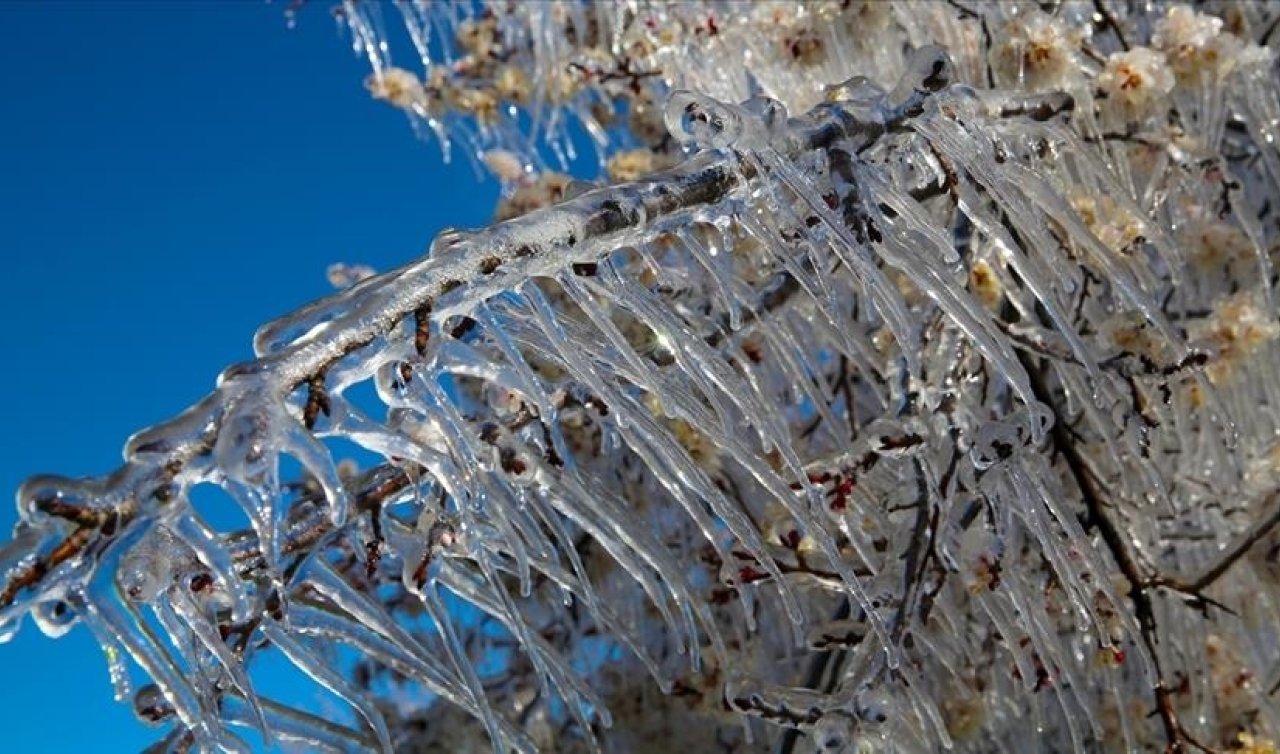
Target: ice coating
{"points": [[795, 430]]}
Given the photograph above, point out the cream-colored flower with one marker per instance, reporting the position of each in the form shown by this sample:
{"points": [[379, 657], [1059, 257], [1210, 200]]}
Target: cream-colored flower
{"points": [[1037, 51], [1114, 226], [1238, 328], [505, 165], [482, 104], [1214, 246], [1134, 82], [1130, 332], [633, 164], [536, 192], [985, 284], [1195, 44], [398, 87], [479, 37], [1249, 744], [512, 84], [1233, 334]]}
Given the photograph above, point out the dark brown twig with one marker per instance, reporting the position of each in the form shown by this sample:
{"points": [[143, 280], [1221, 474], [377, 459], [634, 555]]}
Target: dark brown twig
{"points": [[1176, 736], [1110, 22], [1229, 558], [317, 401]]}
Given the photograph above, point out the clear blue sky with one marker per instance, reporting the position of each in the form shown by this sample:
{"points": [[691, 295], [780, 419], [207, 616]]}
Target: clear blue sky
{"points": [[171, 175]]}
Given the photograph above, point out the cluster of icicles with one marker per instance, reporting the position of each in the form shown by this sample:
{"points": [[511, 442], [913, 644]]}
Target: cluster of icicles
{"points": [[804, 439], [515, 76]]}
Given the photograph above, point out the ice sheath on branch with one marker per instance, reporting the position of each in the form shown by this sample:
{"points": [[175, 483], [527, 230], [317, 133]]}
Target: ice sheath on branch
{"points": [[928, 408]]}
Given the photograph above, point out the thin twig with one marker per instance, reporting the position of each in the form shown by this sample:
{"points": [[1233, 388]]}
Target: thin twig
{"points": [[1139, 584], [1229, 558], [1110, 22]]}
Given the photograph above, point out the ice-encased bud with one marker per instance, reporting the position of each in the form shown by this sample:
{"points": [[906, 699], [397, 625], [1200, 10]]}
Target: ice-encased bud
{"points": [[518, 466], [876, 705], [995, 442], [150, 705], [861, 98], [702, 121], [54, 618], [858, 90], [422, 429], [446, 241], [772, 114], [246, 443], [144, 575], [928, 70], [833, 734], [435, 533]]}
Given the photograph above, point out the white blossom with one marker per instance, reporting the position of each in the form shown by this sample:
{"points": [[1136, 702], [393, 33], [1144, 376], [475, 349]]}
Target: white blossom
{"points": [[1135, 82]]}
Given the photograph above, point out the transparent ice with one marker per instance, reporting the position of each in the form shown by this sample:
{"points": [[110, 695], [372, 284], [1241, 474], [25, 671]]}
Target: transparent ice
{"points": [[919, 395]]}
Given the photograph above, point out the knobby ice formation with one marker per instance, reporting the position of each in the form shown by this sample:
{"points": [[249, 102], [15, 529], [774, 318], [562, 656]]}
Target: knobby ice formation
{"points": [[911, 385]]}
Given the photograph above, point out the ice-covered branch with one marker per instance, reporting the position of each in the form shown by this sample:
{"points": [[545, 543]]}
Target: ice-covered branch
{"points": [[889, 423]]}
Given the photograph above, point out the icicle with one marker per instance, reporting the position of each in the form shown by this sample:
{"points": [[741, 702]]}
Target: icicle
{"points": [[321, 673], [584, 703], [206, 546], [246, 453], [121, 683], [855, 258], [429, 595], [319, 465], [111, 609], [601, 515], [419, 665], [950, 297], [192, 617], [295, 726], [638, 426]]}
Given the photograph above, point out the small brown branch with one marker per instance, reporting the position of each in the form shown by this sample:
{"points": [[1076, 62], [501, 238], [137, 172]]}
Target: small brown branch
{"points": [[1176, 736], [422, 328], [317, 400], [1027, 339], [377, 486], [74, 544], [1229, 558], [917, 554], [89, 521], [85, 517], [1110, 22]]}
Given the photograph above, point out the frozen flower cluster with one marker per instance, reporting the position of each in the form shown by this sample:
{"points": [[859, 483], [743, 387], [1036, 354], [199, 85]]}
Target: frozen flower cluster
{"points": [[1195, 44], [1039, 51]]}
